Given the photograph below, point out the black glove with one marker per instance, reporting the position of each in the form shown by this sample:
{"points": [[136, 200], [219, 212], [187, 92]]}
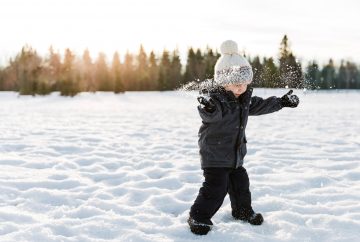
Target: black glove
{"points": [[209, 105], [289, 100]]}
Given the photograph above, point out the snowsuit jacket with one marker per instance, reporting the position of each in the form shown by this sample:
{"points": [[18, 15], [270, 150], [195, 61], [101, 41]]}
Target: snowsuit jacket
{"points": [[222, 139]]}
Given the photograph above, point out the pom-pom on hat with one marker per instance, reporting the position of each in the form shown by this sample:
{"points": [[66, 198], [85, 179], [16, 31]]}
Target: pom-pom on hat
{"points": [[231, 67]]}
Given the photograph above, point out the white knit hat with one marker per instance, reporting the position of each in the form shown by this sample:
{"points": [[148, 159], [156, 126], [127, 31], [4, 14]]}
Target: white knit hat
{"points": [[231, 67]]}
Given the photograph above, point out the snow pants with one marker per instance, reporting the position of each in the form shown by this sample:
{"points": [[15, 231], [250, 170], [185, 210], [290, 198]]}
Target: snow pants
{"points": [[218, 182]]}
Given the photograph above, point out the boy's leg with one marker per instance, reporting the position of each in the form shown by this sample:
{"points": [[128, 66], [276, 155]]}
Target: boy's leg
{"points": [[239, 189], [211, 195], [240, 197]]}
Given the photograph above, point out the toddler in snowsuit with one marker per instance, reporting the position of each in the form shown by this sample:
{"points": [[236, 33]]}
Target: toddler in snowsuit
{"points": [[222, 139]]}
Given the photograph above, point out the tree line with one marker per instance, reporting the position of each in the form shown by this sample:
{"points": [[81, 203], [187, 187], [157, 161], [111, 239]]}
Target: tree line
{"points": [[29, 73], [289, 72]]}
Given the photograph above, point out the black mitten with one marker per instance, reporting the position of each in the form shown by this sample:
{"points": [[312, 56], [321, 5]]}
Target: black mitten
{"points": [[208, 104], [289, 100]]}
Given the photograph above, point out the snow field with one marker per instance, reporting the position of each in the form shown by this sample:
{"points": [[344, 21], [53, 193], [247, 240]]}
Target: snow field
{"points": [[106, 167]]}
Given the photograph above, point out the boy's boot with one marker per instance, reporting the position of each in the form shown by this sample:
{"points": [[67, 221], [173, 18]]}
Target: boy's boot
{"points": [[198, 227], [248, 215]]}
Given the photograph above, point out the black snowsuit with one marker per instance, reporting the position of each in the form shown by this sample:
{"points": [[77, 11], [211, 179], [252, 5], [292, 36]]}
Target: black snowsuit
{"points": [[222, 143]]}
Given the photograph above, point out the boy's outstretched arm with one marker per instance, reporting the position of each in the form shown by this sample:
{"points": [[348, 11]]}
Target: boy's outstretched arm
{"points": [[259, 106], [209, 110]]}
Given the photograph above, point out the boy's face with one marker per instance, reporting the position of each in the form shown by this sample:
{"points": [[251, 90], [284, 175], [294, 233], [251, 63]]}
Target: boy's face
{"points": [[237, 89]]}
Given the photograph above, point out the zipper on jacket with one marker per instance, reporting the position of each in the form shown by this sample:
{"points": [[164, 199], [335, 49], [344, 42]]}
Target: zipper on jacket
{"points": [[238, 134]]}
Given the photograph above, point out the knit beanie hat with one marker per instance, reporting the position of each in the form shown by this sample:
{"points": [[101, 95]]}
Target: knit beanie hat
{"points": [[231, 67]]}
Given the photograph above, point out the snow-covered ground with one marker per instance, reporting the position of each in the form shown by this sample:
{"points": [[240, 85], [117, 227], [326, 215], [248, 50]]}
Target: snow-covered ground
{"points": [[106, 167]]}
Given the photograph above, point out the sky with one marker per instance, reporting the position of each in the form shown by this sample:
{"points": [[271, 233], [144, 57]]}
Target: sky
{"points": [[317, 29]]}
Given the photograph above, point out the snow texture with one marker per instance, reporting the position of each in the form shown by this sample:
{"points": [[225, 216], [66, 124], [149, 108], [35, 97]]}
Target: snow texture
{"points": [[106, 167]]}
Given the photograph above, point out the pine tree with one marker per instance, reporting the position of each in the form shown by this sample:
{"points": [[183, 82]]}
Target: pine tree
{"points": [[190, 71], [357, 78], [353, 75], [129, 72], [54, 69], [88, 72], [10, 76], [153, 72], [312, 76], [2, 79], [116, 73], [210, 59], [28, 70], [341, 77], [271, 73], [68, 84], [164, 70], [295, 73], [283, 60], [290, 70], [258, 75], [199, 66], [142, 70], [175, 76], [102, 74], [328, 76]]}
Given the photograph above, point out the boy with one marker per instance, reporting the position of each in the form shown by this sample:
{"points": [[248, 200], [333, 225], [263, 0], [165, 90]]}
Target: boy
{"points": [[222, 140]]}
